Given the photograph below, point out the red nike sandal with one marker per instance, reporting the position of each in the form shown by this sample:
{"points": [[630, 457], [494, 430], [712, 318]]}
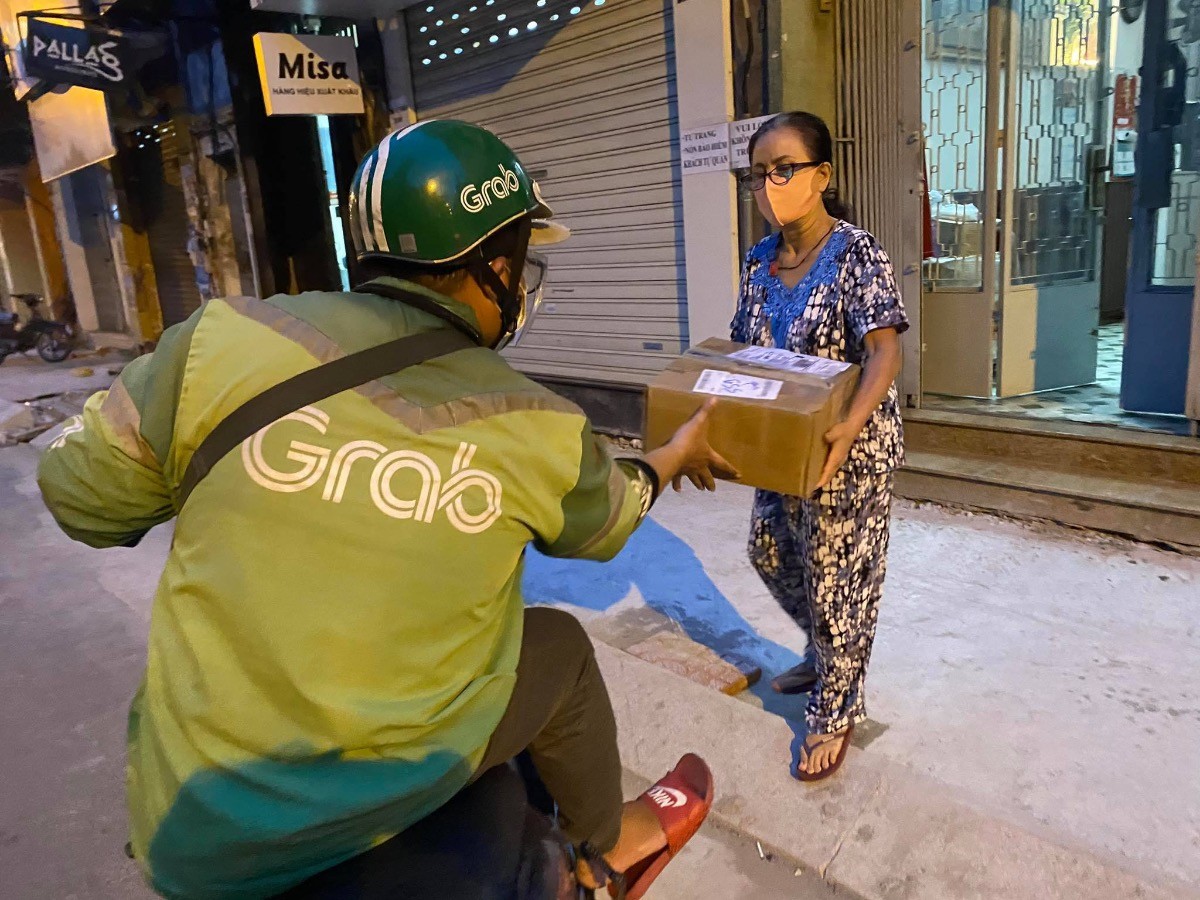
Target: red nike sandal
{"points": [[681, 801]]}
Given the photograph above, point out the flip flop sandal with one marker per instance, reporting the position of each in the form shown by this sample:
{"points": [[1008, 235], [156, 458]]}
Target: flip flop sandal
{"points": [[799, 679], [800, 775], [681, 801]]}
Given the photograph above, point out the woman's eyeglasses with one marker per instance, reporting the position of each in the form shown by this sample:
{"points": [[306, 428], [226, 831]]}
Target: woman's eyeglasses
{"points": [[782, 174]]}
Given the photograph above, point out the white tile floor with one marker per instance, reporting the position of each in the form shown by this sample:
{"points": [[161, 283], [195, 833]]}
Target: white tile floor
{"points": [[1094, 404]]}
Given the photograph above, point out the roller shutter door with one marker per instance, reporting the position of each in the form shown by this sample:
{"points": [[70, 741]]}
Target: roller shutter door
{"points": [[585, 94]]}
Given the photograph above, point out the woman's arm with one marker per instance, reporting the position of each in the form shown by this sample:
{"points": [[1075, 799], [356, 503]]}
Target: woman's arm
{"points": [[880, 368]]}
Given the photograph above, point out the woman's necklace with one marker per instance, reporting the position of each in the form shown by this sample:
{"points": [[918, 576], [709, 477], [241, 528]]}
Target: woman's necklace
{"points": [[775, 266]]}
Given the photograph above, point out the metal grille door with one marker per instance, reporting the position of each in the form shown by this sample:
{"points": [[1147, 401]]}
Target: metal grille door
{"points": [[879, 160], [584, 92]]}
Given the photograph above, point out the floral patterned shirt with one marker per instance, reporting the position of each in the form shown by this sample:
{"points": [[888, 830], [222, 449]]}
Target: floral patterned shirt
{"points": [[849, 291]]}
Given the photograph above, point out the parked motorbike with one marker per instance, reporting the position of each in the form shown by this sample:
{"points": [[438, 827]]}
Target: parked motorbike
{"points": [[53, 340]]}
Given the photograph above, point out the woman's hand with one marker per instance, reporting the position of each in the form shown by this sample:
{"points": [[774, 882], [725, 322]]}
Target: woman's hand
{"points": [[880, 368], [840, 438]]}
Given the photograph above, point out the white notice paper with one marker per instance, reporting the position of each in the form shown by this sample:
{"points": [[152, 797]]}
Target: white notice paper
{"points": [[705, 149], [740, 133], [774, 358], [730, 384]]}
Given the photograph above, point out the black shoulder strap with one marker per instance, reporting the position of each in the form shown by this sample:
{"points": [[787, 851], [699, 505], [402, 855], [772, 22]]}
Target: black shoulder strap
{"points": [[313, 385], [418, 300]]}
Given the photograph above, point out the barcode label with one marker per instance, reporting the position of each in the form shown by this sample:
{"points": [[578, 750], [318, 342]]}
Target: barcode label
{"points": [[774, 358], [730, 384]]}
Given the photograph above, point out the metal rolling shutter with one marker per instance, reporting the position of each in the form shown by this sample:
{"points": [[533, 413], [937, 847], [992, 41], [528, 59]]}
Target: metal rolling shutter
{"points": [[169, 230], [586, 97]]}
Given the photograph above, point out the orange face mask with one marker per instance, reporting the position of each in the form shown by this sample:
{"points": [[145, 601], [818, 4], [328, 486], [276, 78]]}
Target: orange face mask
{"points": [[791, 202]]}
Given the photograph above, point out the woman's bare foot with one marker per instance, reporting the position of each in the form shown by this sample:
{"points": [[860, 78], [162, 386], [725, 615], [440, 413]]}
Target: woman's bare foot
{"points": [[641, 836], [820, 751]]}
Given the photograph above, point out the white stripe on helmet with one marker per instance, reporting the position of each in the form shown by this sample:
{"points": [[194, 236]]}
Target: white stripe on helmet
{"points": [[379, 174], [363, 213], [381, 158]]}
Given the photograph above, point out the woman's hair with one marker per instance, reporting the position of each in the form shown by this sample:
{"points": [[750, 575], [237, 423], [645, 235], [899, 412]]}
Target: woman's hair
{"points": [[815, 134]]}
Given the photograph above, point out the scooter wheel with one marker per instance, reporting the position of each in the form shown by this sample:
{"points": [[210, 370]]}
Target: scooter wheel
{"points": [[54, 346]]}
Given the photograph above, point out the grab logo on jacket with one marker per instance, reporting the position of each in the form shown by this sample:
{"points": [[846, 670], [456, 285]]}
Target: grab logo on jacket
{"points": [[422, 499]]}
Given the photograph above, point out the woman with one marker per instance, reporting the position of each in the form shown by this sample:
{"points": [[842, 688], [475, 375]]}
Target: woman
{"points": [[825, 288]]}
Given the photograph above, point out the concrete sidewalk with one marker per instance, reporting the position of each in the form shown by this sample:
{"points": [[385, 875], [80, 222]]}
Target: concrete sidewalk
{"points": [[880, 829], [36, 395], [1034, 729]]}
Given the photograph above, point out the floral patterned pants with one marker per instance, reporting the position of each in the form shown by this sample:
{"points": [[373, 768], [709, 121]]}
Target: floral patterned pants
{"points": [[824, 559]]}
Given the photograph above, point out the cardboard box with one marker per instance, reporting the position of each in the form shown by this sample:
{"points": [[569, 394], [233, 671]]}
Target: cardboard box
{"points": [[773, 409]]}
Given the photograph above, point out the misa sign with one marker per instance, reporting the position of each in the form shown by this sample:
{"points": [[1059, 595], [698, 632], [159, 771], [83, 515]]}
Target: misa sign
{"points": [[308, 75], [63, 54]]}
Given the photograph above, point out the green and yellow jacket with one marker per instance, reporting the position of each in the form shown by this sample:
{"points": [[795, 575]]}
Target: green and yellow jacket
{"points": [[336, 632]]}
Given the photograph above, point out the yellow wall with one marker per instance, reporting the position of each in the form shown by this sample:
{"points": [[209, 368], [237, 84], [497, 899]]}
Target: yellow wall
{"points": [[23, 274], [40, 210], [808, 59]]}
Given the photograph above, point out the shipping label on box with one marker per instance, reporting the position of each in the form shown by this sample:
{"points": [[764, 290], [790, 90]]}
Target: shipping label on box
{"points": [[773, 409], [730, 384], [773, 358]]}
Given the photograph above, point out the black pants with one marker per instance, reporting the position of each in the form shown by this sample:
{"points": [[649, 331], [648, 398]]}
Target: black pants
{"points": [[561, 717], [561, 714]]}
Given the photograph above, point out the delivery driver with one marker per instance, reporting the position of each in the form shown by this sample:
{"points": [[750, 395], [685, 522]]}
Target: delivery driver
{"points": [[338, 642]]}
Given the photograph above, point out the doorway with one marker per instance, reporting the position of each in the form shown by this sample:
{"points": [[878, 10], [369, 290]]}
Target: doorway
{"points": [[1166, 213], [336, 225], [1034, 143], [88, 205]]}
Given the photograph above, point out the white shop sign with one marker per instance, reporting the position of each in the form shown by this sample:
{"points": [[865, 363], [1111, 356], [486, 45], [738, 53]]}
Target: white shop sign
{"points": [[308, 75]]}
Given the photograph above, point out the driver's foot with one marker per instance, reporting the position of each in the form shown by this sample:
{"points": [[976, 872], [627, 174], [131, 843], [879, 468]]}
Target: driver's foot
{"points": [[641, 836]]}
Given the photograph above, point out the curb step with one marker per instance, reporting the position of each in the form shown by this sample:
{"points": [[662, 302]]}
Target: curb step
{"points": [[1160, 513], [1141, 485], [878, 829]]}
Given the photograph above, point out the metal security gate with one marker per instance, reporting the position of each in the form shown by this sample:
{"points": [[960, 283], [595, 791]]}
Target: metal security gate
{"points": [[1016, 118], [584, 91], [879, 160], [155, 153]]}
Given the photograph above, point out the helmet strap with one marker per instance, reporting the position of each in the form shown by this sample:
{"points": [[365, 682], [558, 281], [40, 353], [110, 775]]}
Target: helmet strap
{"points": [[508, 296]]}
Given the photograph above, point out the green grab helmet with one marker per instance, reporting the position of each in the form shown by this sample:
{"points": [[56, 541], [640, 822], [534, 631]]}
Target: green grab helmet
{"points": [[431, 194]]}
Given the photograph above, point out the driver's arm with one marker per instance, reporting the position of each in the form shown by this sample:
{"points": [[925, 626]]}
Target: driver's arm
{"points": [[103, 477], [607, 501]]}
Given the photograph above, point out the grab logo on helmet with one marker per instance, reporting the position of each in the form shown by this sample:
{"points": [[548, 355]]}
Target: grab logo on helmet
{"points": [[433, 493], [477, 198]]}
